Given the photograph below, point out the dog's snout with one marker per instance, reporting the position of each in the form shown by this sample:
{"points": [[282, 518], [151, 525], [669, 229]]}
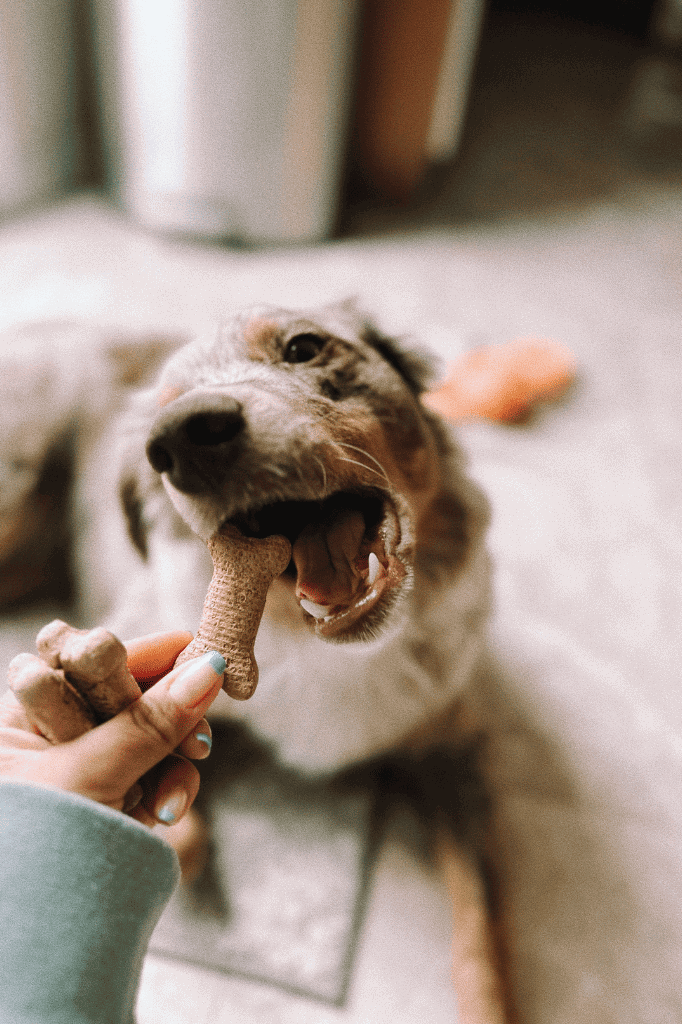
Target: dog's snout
{"points": [[193, 440]]}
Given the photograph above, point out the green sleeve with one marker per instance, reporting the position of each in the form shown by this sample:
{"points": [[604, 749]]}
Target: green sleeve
{"points": [[81, 890]]}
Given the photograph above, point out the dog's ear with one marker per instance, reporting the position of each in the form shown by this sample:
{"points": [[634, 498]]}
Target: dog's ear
{"points": [[139, 487], [132, 502], [415, 366]]}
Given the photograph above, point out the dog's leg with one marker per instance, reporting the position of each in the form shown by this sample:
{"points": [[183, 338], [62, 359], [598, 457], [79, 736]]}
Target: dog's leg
{"points": [[477, 971]]}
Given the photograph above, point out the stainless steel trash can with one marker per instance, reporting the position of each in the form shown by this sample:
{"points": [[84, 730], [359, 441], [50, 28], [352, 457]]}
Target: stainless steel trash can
{"points": [[226, 118]]}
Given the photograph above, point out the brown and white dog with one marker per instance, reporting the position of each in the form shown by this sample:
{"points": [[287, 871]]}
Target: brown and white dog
{"points": [[311, 425]]}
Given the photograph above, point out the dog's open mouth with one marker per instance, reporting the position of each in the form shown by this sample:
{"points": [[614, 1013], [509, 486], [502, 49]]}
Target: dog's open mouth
{"points": [[344, 560]]}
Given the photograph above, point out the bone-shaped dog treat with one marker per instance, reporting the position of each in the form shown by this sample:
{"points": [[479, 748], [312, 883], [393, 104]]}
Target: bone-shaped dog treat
{"points": [[243, 569], [52, 704], [94, 661], [81, 679]]}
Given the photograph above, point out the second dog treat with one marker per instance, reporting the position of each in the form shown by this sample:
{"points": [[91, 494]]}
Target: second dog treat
{"points": [[94, 662], [243, 569], [54, 707]]}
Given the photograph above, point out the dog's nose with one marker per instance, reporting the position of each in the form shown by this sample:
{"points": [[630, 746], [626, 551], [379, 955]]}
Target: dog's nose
{"points": [[194, 439]]}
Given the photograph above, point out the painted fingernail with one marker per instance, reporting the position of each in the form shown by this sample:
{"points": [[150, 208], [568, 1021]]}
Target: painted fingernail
{"points": [[197, 678], [172, 809], [216, 661], [204, 737]]}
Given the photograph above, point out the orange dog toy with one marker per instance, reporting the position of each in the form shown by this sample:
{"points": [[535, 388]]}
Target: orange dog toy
{"points": [[504, 382]]}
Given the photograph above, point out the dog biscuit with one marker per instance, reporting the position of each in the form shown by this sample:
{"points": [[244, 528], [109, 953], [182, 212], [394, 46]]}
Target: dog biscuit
{"points": [[52, 704], [243, 569], [94, 662]]}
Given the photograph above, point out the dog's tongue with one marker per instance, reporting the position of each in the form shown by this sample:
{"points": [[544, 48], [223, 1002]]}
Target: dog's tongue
{"points": [[325, 556]]}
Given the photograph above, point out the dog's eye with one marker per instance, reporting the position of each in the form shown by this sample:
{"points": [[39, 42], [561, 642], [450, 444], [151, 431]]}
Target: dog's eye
{"points": [[302, 348]]}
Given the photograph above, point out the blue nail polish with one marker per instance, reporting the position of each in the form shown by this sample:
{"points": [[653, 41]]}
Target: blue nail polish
{"points": [[173, 808], [203, 737], [216, 661]]}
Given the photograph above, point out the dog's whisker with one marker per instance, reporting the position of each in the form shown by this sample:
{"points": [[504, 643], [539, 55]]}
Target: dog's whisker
{"points": [[370, 469], [324, 472], [305, 481], [344, 444]]}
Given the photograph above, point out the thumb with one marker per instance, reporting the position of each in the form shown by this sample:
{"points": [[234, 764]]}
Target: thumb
{"points": [[117, 753]]}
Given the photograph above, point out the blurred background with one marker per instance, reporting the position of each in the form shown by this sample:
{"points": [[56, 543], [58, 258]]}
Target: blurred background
{"points": [[473, 172], [300, 120]]}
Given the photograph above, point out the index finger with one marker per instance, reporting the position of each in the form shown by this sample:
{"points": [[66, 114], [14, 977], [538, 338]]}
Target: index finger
{"points": [[151, 657]]}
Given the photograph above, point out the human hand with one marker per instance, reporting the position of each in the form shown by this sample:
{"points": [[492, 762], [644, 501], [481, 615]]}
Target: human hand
{"points": [[127, 762]]}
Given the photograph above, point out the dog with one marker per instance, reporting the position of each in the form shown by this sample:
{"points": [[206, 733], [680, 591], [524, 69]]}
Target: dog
{"points": [[310, 424]]}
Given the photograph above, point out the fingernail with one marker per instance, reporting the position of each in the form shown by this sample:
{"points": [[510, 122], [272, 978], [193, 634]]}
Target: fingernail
{"points": [[216, 661], [172, 809], [198, 678], [204, 737], [132, 798]]}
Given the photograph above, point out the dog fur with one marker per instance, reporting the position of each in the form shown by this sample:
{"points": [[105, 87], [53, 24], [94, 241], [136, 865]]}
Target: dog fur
{"points": [[327, 405]]}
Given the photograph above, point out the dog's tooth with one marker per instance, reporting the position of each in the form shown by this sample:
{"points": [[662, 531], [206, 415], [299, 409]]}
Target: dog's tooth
{"points": [[374, 567], [318, 611]]}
